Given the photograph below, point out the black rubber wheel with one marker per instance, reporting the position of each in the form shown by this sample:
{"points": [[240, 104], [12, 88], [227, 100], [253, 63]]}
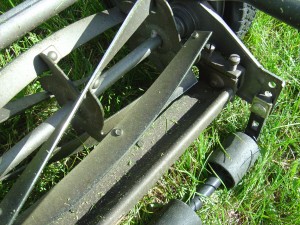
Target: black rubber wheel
{"points": [[239, 17]]}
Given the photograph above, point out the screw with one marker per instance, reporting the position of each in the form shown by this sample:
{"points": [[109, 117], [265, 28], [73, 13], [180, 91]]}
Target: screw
{"points": [[52, 55], [117, 132], [195, 35], [234, 60], [210, 48], [268, 94]]}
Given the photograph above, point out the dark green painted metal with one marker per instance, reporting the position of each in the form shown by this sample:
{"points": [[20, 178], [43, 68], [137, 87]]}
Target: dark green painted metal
{"points": [[164, 144], [26, 67], [204, 190], [285, 10], [16, 197], [113, 147], [26, 16], [256, 78], [144, 164], [241, 152], [91, 115], [176, 212], [18, 106], [41, 133]]}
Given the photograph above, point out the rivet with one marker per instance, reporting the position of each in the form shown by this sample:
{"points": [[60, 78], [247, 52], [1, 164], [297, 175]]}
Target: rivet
{"points": [[96, 83], [195, 34], [52, 55], [117, 132]]}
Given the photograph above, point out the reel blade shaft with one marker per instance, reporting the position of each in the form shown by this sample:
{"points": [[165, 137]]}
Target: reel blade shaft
{"points": [[33, 140]]}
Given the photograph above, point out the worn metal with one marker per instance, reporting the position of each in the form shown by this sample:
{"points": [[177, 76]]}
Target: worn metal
{"points": [[204, 190], [219, 71], [28, 15], [145, 111], [40, 134], [160, 22], [25, 68], [138, 145], [16, 197], [16, 107], [260, 110], [91, 115], [30, 142], [261, 107], [256, 78], [163, 143], [176, 212], [140, 52], [85, 140]]}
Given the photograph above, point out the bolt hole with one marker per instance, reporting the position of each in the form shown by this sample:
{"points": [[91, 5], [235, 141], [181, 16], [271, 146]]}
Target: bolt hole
{"points": [[272, 84]]}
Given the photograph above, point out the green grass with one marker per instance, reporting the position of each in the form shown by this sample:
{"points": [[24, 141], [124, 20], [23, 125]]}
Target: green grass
{"points": [[269, 194]]}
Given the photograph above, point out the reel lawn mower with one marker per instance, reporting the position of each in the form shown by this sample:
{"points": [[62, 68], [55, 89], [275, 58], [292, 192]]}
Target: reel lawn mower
{"points": [[203, 65]]}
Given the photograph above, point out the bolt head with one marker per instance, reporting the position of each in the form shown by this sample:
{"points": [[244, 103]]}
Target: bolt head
{"points": [[235, 59], [210, 48], [96, 83], [52, 55], [117, 132], [195, 34]]}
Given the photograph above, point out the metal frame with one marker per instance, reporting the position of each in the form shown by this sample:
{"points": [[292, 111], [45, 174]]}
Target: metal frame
{"points": [[137, 134]]}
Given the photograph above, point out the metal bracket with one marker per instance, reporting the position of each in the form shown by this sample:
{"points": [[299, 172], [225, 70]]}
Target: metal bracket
{"points": [[220, 72], [126, 133], [260, 110], [90, 116], [256, 78], [160, 22], [261, 107]]}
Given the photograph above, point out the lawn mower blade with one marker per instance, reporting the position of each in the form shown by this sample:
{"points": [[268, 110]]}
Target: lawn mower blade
{"points": [[41, 133], [15, 199], [26, 67], [125, 134]]}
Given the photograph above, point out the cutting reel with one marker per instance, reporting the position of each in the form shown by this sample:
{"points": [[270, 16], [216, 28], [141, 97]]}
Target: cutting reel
{"points": [[176, 36]]}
